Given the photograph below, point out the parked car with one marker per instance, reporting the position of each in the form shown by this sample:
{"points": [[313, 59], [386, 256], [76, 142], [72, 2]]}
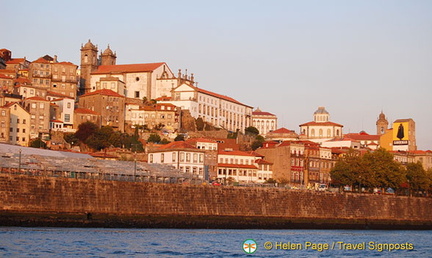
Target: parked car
{"points": [[322, 187]]}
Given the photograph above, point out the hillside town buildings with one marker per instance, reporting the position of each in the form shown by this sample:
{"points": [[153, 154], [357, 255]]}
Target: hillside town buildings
{"points": [[44, 96]]}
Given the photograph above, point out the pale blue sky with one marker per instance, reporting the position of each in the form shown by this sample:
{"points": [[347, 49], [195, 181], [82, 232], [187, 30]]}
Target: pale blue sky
{"points": [[356, 58]]}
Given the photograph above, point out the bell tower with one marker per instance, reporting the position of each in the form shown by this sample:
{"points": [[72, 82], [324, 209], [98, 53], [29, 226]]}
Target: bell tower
{"points": [[108, 57], [89, 63], [382, 124]]}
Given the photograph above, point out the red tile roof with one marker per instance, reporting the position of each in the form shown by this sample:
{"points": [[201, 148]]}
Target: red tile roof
{"points": [[41, 60], [127, 68], [66, 63], [282, 130], [163, 98], [85, 111], [264, 162], [258, 113], [362, 136], [216, 95], [236, 153], [56, 94], [176, 145], [103, 92], [22, 80], [16, 61], [313, 123], [37, 98], [56, 121], [4, 76]]}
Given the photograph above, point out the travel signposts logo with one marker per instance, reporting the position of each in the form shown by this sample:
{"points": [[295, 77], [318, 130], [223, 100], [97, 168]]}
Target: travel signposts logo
{"points": [[249, 246]]}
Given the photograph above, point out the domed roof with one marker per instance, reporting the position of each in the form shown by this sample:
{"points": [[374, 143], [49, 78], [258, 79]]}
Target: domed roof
{"points": [[89, 45], [108, 51], [321, 110]]}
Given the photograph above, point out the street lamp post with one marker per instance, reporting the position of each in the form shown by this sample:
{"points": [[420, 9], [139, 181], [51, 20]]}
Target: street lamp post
{"points": [[135, 161], [19, 162]]}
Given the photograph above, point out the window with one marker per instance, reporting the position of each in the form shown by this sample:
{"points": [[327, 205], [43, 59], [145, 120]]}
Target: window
{"points": [[67, 117], [173, 157], [195, 157], [187, 157], [162, 158], [151, 158], [137, 93], [24, 121], [68, 105], [3, 113]]}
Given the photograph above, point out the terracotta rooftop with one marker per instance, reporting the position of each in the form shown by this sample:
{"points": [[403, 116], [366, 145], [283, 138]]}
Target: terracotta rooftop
{"points": [[56, 94], [37, 98], [176, 145], [282, 130], [236, 153], [261, 113], [103, 92], [217, 95], [127, 68], [16, 61], [362, 136]]}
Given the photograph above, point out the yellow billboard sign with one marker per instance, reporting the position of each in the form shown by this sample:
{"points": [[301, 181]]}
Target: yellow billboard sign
{"points": [[401, 133]]}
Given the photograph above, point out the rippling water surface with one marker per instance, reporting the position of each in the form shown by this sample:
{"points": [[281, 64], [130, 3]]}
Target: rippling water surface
{"points": [[93, 242]]}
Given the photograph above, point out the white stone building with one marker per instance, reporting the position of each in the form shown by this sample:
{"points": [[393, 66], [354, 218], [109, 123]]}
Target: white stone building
{"points": [[321, 129], [218, 110], [264, 121], [243, 167], [180, 155], [137, 81]]}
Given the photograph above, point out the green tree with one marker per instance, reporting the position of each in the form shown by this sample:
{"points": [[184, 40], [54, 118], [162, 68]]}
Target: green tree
{"points": [[384, 171], [71, 138], [85, 130], [348, 170], [154, 138], [417, 177], [258, 143], [164, 141], [38, 143], [102, 138], [179, 137], [251, 130]]}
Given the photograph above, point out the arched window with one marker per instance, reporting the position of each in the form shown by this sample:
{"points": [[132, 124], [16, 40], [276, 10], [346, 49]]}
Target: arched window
{"points": [[320, 133], [328, 133], [313, 132]]}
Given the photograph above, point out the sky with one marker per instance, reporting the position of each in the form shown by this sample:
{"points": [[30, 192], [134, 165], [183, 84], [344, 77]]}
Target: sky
{"points": [[355, 58]]}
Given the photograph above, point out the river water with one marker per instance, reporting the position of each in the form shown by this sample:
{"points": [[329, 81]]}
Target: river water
{"points": [[100, 242]]}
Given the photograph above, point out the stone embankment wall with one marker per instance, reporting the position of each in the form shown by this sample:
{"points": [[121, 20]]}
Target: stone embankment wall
{"points": [[24, 200]]}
